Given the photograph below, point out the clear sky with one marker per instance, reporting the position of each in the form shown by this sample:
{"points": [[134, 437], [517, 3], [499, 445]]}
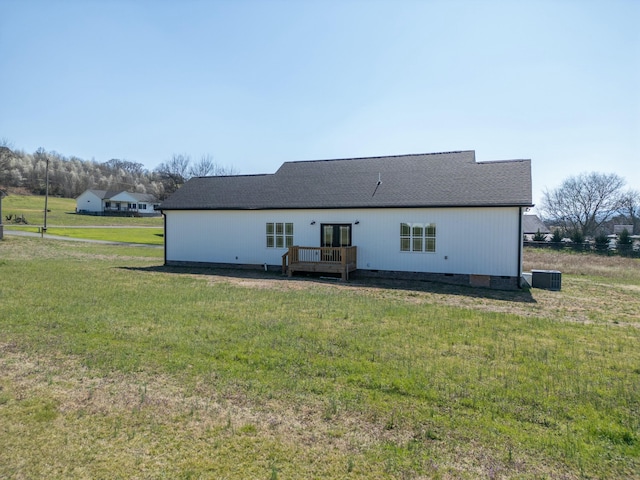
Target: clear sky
{"points": [[258, 83]]}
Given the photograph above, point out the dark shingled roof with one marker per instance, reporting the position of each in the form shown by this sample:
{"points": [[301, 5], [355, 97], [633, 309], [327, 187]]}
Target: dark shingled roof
{"points": [[102, 194], [144, 197], [140, 197], [450, 179], [531, 224]]}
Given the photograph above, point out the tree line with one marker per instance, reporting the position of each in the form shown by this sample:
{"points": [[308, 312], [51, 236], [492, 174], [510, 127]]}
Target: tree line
{"points": [[586, 206], [70, 176]]}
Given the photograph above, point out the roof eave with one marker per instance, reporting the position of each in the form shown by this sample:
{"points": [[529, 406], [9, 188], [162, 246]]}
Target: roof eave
{"points": [[350, 207]]}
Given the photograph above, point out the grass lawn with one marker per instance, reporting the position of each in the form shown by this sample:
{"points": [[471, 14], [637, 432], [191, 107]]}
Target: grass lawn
{"points": [[146, 235], [141, 235], [116, 366], [62, 213]]}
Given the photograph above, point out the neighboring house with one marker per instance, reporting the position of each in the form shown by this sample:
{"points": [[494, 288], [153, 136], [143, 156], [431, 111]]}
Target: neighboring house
{"points": [[440, 216], [103, 202], [531, 224], [617, 229]]}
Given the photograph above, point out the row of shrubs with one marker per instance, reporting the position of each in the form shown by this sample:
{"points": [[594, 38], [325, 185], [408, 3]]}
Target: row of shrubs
{"points": [[601, 244]]}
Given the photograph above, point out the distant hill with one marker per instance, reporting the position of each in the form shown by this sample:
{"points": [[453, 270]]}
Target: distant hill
{"points": [[70, 176]]}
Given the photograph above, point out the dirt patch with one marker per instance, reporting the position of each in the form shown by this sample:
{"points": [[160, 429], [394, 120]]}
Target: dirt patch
{"points": [[580, 300]]}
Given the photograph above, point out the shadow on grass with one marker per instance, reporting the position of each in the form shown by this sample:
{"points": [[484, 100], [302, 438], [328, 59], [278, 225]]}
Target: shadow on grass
{"points": [[424, 286]]}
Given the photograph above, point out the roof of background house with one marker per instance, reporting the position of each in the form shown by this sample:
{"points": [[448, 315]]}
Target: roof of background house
{"points": [[617, 229], [140, 197], [147, 197], [102, 194], [531, 224], [425, 180]]}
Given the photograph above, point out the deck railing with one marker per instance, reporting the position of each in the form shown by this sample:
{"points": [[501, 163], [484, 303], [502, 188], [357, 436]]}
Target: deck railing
{"points": [[320, 259]]}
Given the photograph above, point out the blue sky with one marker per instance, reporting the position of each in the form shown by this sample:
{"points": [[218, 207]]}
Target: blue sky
{"points": [[258, 83]]}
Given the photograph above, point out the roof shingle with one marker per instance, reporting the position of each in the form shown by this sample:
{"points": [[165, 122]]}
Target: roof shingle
{"points": [[424, 180]]}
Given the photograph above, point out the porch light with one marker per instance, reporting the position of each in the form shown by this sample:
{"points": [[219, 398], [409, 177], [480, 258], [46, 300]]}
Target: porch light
{"points": [[357, 222], [313, 222]]}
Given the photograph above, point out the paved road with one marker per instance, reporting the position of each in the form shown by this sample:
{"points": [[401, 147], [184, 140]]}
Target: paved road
{"points": [[69, 239]]}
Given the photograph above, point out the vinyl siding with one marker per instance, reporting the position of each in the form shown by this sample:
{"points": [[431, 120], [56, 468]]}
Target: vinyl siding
{"points": [[483, 241], [88, 202]]}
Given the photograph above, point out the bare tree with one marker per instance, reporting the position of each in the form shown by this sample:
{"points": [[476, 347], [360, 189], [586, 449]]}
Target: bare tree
{"points": [[174, 173], [6, 154], [38, 179], [221, 170], [70, 176], [206, 166], [133, 168], [584, 203], [630, 208]]}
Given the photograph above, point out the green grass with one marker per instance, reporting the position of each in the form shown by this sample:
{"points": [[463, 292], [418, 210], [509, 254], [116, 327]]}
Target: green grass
{"points": [[62, 213], [62, 219], [141, 235], [114, 366], [147, 235]]}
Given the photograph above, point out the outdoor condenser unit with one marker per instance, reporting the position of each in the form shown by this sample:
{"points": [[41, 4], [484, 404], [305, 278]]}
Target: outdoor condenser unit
{"points": [[548, 279]]}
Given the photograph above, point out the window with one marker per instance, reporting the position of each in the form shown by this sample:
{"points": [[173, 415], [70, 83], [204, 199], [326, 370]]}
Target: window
{"points": [[142, 206], [335, 235], [279, 235], [417, 237], [107, 204]]}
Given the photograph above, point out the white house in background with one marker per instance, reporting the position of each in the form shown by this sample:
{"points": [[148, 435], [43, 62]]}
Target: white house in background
{"points": [[531, 224], [104, 202], [440, 216]]}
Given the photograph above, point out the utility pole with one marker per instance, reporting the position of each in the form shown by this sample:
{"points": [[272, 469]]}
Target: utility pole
{"points": [[46, 196]]}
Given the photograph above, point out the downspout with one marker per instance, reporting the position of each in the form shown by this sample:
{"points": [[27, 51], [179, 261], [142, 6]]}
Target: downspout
{"points": [[520, 247]]}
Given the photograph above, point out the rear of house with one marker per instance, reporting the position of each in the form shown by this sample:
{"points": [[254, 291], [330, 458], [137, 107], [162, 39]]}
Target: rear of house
{"points": [[433, 216]]}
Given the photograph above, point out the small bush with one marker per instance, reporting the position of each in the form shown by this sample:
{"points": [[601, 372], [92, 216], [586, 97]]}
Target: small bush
{"points": [[624, 238], [602, 243], [539, 237], [556, 239], [624, 243], [577, 237]]}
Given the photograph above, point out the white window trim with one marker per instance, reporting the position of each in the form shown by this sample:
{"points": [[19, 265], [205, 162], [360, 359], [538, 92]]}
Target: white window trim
{"points": [[424, 237], [287, 239]]}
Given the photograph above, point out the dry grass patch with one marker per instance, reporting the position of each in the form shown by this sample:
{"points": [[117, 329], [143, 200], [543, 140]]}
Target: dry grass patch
{"points": [[77, 424], [584, 264]]}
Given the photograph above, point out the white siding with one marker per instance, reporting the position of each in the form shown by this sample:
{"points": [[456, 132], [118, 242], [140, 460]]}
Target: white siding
{"points": [[483, 241], [88, 202]]}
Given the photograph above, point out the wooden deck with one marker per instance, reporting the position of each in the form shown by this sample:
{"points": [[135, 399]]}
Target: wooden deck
{"points": [[342, 260]]}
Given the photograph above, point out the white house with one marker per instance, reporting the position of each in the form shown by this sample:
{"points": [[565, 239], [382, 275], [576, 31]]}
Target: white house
{"points": [[439, 216], [104, 202], [531, 225]]}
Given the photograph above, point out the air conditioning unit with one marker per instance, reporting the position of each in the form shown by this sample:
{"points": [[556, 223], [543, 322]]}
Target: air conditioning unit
{"points": [[547, 279]]}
